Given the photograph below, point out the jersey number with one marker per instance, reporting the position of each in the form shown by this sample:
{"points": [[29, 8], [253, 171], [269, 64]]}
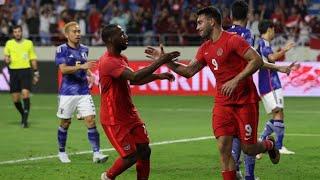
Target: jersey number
{"points": [[215, 64], [248, 129]]}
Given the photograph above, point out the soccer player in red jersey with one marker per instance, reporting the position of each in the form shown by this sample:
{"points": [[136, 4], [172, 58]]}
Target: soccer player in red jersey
{"points": [[236, 111], [119, 117]]}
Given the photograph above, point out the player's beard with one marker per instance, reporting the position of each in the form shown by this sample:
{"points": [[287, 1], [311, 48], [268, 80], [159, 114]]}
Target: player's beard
{"points": [[122, 47], [207, 32], [18, 38]]}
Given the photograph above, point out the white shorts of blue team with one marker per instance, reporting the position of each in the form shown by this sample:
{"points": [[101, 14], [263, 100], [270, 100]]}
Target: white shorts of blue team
{"points": [[273, 100], [83, 104]]}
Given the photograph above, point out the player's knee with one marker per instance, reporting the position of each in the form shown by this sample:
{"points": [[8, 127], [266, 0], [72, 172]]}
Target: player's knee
{"points": [[224, 147], [249, 150], [65, 124], [144, 151], [131, 158], [90, 122]]}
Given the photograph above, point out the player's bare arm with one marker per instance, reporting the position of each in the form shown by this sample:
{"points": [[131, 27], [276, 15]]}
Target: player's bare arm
{"points": [[277, 55], [7, 59], [186, 71], [254, 63], [282, 69], [153, 77], [65, 69], [36, 74], [139, 75], [91, 78]]}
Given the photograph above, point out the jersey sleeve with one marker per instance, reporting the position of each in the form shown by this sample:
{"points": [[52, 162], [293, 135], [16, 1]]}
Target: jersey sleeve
{"points": [[32, 53], [113, 67], [200, 55], [60, 56], [238, 45]]}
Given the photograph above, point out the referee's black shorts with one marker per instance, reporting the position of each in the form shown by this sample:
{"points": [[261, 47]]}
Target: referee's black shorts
{"points": [[20, 79]]}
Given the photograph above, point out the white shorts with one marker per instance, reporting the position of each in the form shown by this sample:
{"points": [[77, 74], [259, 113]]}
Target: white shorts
{"points": [[69, 104], [273, 100]]}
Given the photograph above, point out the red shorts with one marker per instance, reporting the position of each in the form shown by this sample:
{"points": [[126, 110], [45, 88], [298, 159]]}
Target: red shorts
{"points": [[236, 120], [125, 137]]}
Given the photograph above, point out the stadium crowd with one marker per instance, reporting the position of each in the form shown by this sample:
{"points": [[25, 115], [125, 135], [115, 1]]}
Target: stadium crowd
{"points": [[146, 21]]}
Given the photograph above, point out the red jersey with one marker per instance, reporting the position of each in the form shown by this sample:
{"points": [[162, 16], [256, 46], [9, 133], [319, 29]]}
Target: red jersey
{"points": [[116, 104], [225, 59]]}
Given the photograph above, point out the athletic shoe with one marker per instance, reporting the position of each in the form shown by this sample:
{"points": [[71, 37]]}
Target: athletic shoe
{"points": [[63, 157], [104, 176], [259, 156], [284, 150], [274, 153], [98, 157]]}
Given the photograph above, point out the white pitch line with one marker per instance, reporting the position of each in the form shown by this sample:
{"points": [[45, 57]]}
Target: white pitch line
{"points": [[104, 150], [152, 144]]}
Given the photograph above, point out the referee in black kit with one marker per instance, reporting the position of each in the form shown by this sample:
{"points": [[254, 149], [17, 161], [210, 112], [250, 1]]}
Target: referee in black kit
{"points": [[20, 56]]}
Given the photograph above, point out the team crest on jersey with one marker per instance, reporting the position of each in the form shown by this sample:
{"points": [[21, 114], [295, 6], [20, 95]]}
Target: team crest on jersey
{"points": [[84, 55], [127, 147], [220, 52]]}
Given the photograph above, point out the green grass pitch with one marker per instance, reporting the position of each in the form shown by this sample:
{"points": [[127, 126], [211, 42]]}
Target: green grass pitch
{"points": [[167, 119]]}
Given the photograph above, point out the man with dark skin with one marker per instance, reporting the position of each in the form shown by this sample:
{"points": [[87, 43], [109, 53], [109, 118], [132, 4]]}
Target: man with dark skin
{"points": [[119, 117]]}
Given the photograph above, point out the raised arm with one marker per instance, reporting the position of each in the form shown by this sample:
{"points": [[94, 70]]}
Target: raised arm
{"points": [[141, 74], [277, 55], [182, 69], [153, 77], [186, 71]]}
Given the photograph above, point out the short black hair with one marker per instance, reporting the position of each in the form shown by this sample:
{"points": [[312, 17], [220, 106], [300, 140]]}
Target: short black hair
{"points": [[264, 25], [239, 10], [17, 26], [107, 31], [211, 12]]}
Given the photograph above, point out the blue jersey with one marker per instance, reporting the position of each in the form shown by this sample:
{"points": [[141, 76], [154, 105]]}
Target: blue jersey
{"points": [[75, 83], [243, 32], [268, 79]]}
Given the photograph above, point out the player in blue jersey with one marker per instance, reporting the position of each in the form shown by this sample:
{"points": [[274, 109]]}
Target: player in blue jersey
{"points": [[270, 86], [239, 14], [74, 94]]}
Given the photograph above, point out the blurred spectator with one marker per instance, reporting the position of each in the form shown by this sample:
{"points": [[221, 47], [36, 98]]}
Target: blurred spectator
{"points": [[135, 27], [33, 23], [45, 20], [121, 18], [147, 27], [146, 20], [94, 19]]}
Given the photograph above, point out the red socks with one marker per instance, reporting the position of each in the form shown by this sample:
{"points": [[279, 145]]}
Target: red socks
{"points": [[142, 166], [117, 168], [143, 169], [229, 175]]}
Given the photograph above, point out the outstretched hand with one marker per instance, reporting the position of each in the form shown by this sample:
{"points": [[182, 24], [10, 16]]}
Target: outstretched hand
{"points": [[288, 69], [166, 57], [167, 76], [154, 53], [288, 46], [88, 65]]}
